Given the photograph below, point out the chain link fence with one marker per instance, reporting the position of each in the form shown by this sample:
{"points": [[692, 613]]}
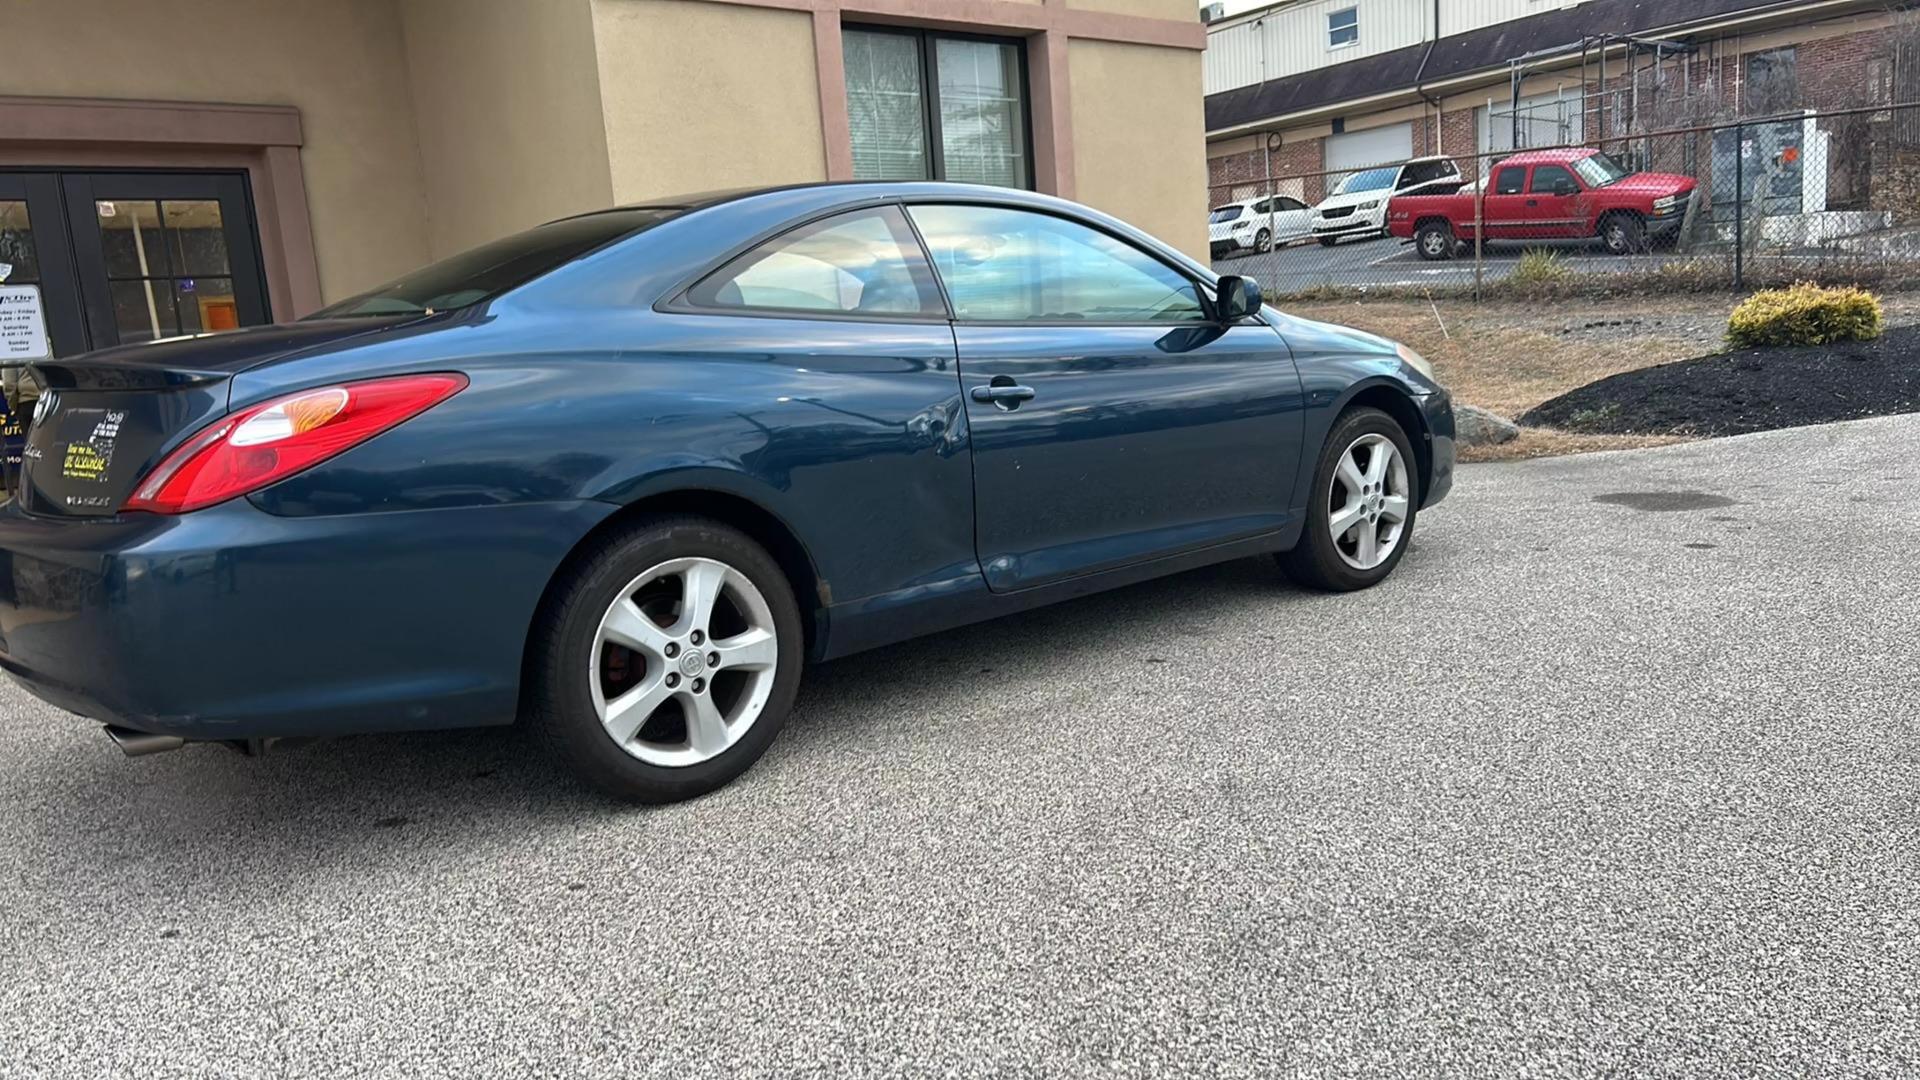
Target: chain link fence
{"points": [[1814, 195]]}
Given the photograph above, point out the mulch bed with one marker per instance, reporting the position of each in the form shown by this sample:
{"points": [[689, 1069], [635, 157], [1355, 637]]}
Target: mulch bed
{"points": [[1749, 390]]}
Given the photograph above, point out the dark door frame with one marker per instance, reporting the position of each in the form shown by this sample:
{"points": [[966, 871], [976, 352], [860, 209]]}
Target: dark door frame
{"points": [[237, 219], [59, 283]]}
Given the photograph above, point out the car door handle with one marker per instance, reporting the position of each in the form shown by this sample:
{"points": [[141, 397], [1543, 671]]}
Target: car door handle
{"points": [[1533, 202], [1006, 395]]}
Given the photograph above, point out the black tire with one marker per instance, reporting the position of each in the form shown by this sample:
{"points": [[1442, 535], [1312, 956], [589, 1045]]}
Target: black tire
{"points": [[1434, 240], [1315, 562], [1623, 234], [1329, 241], [559, 701], [1263, 241]]}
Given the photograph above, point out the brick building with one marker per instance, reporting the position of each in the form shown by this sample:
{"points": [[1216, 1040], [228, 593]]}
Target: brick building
{"points": [[1301, 89]]}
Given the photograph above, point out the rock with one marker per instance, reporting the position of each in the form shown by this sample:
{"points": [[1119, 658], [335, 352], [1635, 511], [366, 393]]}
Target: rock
{"points": [[1475, 426]]}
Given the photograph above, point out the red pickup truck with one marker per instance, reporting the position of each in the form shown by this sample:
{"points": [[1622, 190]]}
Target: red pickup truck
{"points": [[1549, 195]]}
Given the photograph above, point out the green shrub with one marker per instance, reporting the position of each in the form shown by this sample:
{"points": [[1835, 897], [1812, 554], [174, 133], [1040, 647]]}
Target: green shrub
{"points": [[1538, 267], [1804, 314]]}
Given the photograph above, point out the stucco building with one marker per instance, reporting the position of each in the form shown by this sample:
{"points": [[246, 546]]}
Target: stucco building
{"points": [[168, 166]]}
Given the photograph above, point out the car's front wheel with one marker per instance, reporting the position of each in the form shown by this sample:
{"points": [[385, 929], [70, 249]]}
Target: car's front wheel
{"points": [[667, 659], [1364, 498]]}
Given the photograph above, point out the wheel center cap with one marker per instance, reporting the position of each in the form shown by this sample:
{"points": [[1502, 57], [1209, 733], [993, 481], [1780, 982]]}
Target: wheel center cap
{"points": [[693, 662]]}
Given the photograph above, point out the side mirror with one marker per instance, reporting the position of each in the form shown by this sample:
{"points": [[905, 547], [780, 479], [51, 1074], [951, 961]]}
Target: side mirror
{"points": [[1239, 298]]}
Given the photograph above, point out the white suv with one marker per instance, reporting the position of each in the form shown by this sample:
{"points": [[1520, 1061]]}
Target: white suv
{"points": [[1358, 207], [1257, 224]]}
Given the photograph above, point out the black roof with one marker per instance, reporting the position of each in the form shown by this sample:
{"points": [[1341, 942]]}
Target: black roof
{"points": [[1489, 47]]}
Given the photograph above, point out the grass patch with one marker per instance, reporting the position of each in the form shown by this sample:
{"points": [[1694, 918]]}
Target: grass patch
{"points": [[1538, 268]]}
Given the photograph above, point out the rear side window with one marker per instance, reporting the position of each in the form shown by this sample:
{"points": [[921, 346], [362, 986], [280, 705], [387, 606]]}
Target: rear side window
{"points": [[1287, 203], [861, 263], [1546, 178], [1001, 264], [1511, 180], [491, 269]]}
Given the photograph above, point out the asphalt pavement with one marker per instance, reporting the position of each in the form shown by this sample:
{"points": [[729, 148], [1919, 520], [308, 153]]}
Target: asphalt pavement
{"points": [[1615, 776]]}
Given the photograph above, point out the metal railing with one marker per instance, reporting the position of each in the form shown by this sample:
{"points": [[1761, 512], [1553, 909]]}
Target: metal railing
{"points": [[1830, 195]]}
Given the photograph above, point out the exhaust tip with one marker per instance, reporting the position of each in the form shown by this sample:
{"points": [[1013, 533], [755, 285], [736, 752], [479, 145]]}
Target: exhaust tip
{"points": [[140, 743]]}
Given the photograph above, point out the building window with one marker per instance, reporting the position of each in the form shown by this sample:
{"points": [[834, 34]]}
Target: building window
{"points": [[1343, 28], [1773, 81], [930, 106]]}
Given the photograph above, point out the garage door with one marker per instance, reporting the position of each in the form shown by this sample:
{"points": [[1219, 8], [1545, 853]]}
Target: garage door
{"points": [[1388, 145]]}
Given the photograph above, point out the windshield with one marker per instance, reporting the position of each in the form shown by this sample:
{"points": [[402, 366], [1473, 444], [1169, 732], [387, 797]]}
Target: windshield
{"points": [[1371, 180], [1223, 213], [1598, 170], [491, 269]]}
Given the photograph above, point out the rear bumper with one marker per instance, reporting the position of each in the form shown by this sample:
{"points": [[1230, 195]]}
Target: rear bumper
{"points": [[233, 623]]}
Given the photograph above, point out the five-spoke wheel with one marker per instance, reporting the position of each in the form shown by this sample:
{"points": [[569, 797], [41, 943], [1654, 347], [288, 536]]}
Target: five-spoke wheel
{"points": [[683, 661], [668, 658], [1366, 493]]}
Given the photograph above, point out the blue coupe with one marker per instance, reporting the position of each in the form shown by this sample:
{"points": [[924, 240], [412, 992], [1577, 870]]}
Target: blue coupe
{"points": [[624, 474]]}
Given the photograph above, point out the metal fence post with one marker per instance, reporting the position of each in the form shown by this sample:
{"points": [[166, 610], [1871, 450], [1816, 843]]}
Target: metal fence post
{"points": [[1739, 204], [1479, 225]]}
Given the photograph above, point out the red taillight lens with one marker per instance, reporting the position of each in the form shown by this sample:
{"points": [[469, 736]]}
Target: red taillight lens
{"points": [[271, 441]]}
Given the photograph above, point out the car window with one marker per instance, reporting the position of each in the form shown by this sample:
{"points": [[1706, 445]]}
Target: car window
{"points": [[487, 271], [1288, 203], [1223, 214], [862, 263], [1548, 177], [1369, 180], [1004, 264], [1264, 206], [1510, 180]]}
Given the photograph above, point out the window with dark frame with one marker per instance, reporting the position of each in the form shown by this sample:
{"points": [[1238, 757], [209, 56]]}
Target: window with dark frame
{"points": [[924, 105], [1343, 27]]}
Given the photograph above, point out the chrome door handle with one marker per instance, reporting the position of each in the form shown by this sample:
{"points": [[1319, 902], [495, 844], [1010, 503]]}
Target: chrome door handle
{"points": [[1007, 395]]}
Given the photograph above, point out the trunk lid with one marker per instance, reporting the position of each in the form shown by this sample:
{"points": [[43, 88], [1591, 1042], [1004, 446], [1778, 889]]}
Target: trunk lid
{"points": [[105, 418]]}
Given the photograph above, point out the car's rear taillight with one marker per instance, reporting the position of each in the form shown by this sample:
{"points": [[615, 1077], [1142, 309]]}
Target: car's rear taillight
{"points": [[271, 441]]}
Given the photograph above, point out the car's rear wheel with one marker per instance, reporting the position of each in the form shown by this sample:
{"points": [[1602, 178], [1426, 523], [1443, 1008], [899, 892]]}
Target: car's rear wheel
{"points": [[1360, 517], [1263, 241], [1434, 239], [668, 657]]}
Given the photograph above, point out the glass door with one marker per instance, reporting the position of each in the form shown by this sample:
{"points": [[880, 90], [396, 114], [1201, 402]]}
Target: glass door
{"points": [[34, 250], [162, 254]]}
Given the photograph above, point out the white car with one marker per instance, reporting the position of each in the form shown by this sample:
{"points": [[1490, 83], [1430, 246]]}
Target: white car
{"points": [[1358, 207], [1257, 224]]}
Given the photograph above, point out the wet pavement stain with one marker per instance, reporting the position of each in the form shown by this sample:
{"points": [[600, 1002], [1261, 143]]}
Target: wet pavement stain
{"points": [[1664, 502]]}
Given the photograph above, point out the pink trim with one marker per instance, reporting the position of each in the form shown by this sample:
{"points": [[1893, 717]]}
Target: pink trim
{"points": [[831, 63], [264, 140], [1052, 114]]}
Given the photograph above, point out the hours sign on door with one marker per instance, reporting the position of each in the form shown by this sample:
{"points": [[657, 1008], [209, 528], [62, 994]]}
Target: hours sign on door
{"points": [[23, 325]]}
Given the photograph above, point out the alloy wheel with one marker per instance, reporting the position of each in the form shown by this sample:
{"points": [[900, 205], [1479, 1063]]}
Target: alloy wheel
{"points": [[683, 662], [1367, 502]]}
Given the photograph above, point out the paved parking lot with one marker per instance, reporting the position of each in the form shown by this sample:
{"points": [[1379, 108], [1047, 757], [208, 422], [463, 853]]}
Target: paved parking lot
{"points": [[1615, 776], [1387, 262]]}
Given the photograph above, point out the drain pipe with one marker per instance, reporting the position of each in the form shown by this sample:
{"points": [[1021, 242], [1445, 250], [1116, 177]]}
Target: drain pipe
{"points": [[1420, 72]]}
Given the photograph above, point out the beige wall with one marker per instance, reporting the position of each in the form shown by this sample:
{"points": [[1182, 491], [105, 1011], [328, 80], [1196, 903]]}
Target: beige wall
{"points": [[700, 96], [1139, 148], [360, 165], [1181, 10], [507, 102]]}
